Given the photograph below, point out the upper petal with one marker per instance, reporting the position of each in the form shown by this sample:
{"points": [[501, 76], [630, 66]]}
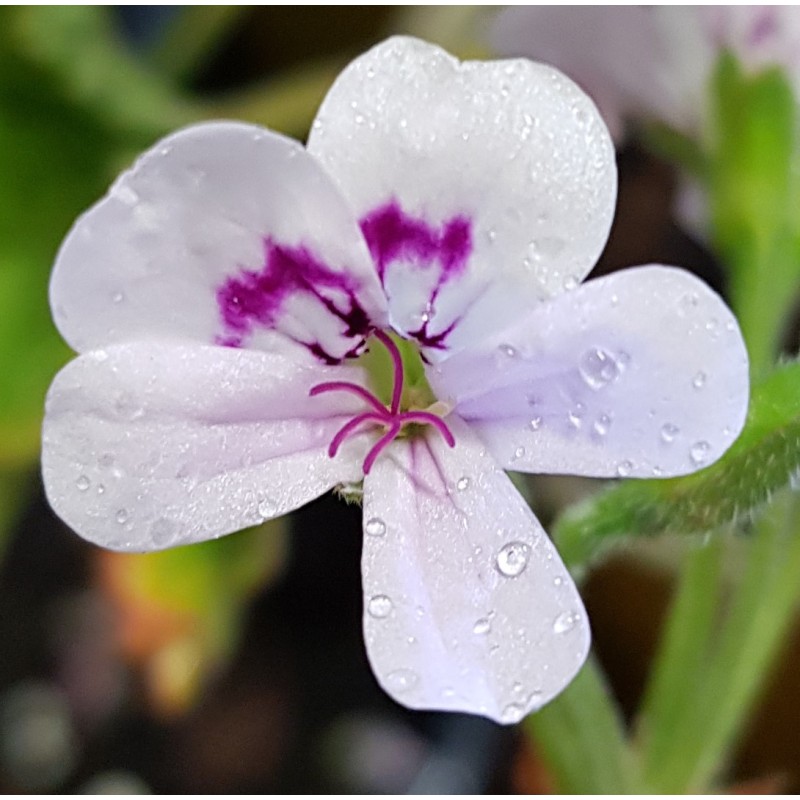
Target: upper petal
{"points": [[641, 373], [467, 606], [150, 445], [481, 187], [222, 232]]}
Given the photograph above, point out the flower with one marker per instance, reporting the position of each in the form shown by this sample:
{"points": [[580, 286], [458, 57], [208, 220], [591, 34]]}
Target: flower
{"points": [[651, 62], [224, 296]]}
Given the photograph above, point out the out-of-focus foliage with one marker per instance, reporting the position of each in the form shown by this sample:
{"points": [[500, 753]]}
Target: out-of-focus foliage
{"points": [[180, 611]]}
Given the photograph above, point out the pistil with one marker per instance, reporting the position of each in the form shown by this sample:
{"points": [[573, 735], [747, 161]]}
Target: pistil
{"points": [[391, 417]]}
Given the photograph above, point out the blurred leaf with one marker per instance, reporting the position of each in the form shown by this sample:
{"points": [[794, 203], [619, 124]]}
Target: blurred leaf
{"points": [[764, 458], [755, 199], [181, 610]]}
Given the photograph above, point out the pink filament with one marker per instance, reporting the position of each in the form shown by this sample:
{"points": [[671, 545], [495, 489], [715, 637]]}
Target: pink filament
{"points": [[391, 417]]}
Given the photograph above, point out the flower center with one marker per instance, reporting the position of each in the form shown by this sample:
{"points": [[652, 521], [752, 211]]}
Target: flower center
{"points": [[391, 418]]}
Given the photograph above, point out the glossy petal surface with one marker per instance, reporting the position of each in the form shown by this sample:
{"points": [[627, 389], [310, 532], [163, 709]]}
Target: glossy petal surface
{"points": [[511, 149], [151, 445], [222, 232], [467, 606], [643, 373]]}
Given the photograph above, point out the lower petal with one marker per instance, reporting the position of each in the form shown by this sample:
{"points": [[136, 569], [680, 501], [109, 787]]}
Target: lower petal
{"points": [[467, 606], [152, 445], [643, 373]]}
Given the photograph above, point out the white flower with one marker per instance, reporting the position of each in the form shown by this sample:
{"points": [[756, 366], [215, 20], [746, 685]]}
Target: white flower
{"points": [[653, 62], [223, 292]]}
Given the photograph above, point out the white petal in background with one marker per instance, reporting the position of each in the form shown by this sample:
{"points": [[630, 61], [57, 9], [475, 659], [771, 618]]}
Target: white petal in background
{"points": [[148, 259], [151, 445], [513, 146], [467, 606], [642, 373]]}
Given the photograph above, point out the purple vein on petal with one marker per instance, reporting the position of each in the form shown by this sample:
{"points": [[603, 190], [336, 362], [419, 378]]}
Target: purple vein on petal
{"points": [[257, 298]]}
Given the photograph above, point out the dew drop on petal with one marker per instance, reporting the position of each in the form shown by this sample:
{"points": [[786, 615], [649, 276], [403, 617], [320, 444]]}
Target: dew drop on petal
{"points": [[267, 508], [700, 452], [624, 468], [380, 606], [507, 350], [375, 527], [513, 712], [163, 532], [402, 680], [535, 423], [121, 516], [83, 483], [558, 580], [669, 432], [564, 622], [699, 380], [512, 559], [602, 424], [462, 484], [518, 453], [482, 626], [574, 420], [598, 368]]}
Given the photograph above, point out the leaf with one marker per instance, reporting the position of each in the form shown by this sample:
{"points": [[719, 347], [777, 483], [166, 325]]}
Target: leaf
{"points": [[764, 458]]}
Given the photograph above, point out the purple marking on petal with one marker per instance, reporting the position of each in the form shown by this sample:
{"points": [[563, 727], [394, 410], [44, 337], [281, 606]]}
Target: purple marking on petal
{"points": [[256, 298], [392, 235], [764, 26]]}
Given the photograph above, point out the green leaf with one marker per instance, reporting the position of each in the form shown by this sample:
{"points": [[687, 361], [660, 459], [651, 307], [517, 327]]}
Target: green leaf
{"points": [[763, 459], [754, 192]]}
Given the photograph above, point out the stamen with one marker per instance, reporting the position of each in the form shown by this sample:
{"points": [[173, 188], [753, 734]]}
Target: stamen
{"points": [[353, 388], [397, 361], [426, 418], [385, 440], [381, 415], [350, 426]]}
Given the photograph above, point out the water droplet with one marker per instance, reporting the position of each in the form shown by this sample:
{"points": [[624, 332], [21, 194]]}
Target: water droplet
{"points": [[463, 484], [624, 468], [602, 424], [117, 297], [518, 453], [375, 527], [558, 580], [121, 516], [700, 452], [535, 423], [699, 380], [513, 712], [598, 368], [512, 559], [570, 283], [380, 606], [402, 680], [669, 432], [491, 234], [574, 419], [267, 508], [359, 119], [448, 691], [163, 532], [482, 626], [100, 488], [83, 483], [564, 622], [518, 688], [507, 350]]}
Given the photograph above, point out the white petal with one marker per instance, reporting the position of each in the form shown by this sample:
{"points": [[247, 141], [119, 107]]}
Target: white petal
{"points": [[467, 606], [426, 148], [150, 445], [642, 373], [220, 233]]}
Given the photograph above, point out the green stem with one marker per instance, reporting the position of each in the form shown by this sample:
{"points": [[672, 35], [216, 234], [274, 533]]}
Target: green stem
{"points": [[581, 737], [721, 694]]}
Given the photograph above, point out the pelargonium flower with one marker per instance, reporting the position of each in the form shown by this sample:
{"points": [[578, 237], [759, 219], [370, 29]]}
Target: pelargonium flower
{"points": [[233, 296], [651, 62]]}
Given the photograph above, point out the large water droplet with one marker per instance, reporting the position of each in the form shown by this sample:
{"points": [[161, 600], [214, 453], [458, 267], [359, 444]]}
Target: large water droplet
{"points": [[375, 527], [462, 484], [699, 380], [669, 432], [512, 713], [624, 468], [598, 368], [402, 680], [267, 508], [482, 626], [380, 606], [564, 622], [700, 452], [512, 559], [83, 483], [163, 532]]}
